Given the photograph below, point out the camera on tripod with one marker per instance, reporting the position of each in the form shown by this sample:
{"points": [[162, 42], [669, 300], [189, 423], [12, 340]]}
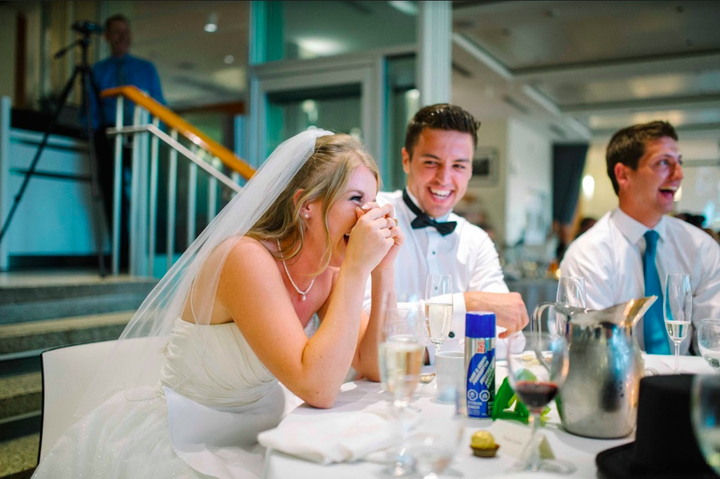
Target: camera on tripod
{"points": [[87, 27]]}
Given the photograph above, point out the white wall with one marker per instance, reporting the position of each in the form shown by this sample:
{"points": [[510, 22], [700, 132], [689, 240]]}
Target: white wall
{"points": [[604, 198], [491, 197], [528, 191], [701, 186]]}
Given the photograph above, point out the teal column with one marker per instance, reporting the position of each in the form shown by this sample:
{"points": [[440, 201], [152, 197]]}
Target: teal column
{"points": [[266, 32]]}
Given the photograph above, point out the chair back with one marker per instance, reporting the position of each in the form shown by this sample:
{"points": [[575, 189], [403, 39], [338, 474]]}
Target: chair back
{"points": [[68, 373]]}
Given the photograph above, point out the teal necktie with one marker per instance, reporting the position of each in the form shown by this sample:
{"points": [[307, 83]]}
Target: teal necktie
{"points": [[655, 334]]}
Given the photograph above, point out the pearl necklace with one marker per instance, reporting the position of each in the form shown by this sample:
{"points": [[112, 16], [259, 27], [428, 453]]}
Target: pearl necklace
{"points": [[301, 293]]}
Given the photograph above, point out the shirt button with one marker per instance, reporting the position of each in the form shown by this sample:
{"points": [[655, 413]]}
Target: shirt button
{"points": [[451, 335], [433, 252]]}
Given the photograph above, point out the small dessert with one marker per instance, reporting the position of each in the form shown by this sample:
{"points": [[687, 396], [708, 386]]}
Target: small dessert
{"points": [[483, 444]]}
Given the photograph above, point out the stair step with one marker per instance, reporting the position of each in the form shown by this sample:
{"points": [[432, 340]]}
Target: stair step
{"points": [[18, 456], [29, 339], [28, 291], [20, 395], [62, 308]]}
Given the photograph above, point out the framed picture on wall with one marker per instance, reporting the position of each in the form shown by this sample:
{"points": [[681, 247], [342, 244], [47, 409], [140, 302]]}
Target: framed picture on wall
{"points": [[485, 166]]}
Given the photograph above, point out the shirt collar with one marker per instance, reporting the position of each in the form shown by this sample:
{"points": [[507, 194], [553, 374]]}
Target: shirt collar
{"points": [[632, 229], [442, 218]]}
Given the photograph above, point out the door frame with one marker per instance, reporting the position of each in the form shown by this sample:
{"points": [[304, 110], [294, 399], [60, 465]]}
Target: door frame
{"points": [[366, 69]]}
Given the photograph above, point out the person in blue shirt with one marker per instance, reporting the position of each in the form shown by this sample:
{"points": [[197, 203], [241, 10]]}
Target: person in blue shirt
{"points": [[119, 69]]}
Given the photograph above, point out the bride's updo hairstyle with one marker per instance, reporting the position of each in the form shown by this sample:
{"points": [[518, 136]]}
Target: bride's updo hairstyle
{"points": [[323, 177]]}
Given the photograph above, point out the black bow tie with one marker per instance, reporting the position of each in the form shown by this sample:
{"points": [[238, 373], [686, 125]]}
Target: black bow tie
{"points": [[422, 220]]}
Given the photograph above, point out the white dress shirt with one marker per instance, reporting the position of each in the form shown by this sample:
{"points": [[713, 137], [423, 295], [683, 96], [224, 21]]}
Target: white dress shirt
{"points": [[609, 257], [467, 254]]}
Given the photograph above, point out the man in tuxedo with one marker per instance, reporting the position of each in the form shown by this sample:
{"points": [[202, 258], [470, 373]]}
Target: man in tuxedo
{"points": [[630, 251], [437, 157]]}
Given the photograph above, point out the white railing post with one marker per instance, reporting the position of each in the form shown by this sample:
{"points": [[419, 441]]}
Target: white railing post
{"points": [[212, 192], [192, 192], [172, 192], [134, 199], [117, 188], [153, 198]]}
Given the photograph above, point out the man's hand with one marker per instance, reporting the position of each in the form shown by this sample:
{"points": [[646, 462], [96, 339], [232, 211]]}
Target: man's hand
{"points": [[509, 308]]}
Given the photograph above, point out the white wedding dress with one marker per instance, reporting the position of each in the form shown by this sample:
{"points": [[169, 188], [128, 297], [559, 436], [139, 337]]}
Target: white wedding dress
{"points": [[220, 396]]}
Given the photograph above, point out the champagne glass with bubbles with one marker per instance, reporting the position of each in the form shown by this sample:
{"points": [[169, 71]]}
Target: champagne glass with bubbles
{"points": [[438, 308], [400, 356], [678, 310]]}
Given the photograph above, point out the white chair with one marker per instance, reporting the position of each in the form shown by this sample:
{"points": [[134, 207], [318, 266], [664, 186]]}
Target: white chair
{"points": [[68, 373]]}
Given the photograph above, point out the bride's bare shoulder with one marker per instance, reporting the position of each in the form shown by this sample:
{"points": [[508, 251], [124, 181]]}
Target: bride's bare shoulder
{"points": [[237, 248], [246, 254]]}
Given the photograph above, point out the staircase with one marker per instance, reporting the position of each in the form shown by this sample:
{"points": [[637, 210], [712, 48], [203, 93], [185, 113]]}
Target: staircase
{"points": [[44, 312]]}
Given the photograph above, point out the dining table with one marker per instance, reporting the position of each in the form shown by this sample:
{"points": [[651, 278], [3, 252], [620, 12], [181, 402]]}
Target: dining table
{"points": [[362, 395]]}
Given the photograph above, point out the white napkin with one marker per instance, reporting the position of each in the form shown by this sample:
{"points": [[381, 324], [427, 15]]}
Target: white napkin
{"points": [[332, 437]]}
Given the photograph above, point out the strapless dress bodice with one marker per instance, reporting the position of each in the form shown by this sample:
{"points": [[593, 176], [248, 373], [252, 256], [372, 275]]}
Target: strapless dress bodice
{"points": [[214, 366]]}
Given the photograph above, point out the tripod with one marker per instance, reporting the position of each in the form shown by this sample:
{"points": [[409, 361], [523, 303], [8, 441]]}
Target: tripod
{"points": [[84, 72]]}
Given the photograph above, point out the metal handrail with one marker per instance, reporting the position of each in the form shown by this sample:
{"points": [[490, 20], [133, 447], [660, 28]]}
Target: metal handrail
{"points": [[175, 122], [143, 212], [168, 140]]}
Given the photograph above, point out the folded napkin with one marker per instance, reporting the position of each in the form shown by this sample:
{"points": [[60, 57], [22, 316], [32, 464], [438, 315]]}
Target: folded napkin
{"points": [[328, 437]]}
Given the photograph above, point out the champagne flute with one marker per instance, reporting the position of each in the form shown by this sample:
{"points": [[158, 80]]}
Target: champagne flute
{"points": [[705, 409], [678, 310], [536, 374], [709, 341], [400, 359], [438, 307]]}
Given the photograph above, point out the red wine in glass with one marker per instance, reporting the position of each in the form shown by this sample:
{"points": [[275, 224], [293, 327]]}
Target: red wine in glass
{"points": [[536, 395]]}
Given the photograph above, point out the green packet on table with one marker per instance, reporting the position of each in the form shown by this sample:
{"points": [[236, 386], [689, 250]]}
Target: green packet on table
{"points": [[504, 401]]}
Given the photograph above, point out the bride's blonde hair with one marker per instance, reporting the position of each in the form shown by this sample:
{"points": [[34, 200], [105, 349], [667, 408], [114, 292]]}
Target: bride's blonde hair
{"points": [[323, 176]]}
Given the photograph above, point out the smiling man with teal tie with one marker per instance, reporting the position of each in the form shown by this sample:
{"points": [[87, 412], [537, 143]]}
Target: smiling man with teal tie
{"points": [[631, 250]]}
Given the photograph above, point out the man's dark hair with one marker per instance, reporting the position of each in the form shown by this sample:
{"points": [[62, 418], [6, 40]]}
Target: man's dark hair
{"points": [[441, 116], [118, 17], [627, 146]]}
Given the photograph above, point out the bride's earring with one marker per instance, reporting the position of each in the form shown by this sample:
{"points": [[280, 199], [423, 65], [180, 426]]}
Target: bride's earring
{"points": [[307, 216]]}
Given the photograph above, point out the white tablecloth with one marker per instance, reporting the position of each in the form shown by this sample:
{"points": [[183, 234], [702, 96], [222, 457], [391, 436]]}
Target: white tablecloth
{"points": [[359, 395]]}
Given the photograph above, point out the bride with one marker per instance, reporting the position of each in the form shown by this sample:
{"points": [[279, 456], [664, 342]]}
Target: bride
{"points": [[299, 241]]}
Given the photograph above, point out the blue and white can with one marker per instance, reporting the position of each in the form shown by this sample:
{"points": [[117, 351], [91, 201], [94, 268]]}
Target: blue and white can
{"points": [[480, 363]]}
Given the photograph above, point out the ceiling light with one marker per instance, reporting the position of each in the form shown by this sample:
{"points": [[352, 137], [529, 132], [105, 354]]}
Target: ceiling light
{"points": [[320, 46], [211, 25], [408, 8], [229, 59]]}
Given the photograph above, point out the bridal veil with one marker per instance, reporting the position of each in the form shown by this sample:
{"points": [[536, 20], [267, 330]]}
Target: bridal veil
{"points": [[152, 324]]}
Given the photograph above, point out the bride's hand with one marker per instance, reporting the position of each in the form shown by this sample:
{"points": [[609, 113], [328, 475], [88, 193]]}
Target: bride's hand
{"points": [[396, 233], [372, 236], [398, 237]]}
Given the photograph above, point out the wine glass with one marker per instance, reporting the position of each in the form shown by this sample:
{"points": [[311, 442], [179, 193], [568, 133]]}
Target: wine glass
{"points": [[569, 299], [438, 307], [708, 335], [536, 375], [400, 354], [435, 440], [678, 310], [705, 410]]}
